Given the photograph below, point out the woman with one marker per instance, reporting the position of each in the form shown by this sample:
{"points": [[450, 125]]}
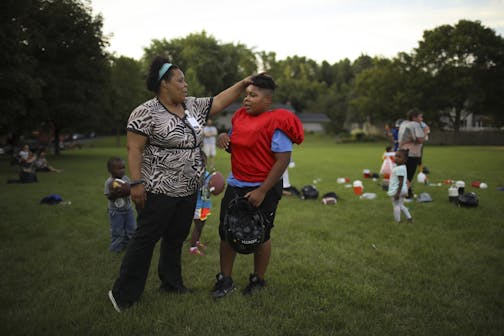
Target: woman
{"points": [[411, 137], [166, 166]]}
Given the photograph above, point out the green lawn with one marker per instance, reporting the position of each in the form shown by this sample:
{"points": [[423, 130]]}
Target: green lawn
{"points": [[344, 269]]}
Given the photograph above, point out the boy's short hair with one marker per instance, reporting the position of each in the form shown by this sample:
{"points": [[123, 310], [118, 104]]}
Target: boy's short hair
{"points": [[264, 82], [113, 160]]}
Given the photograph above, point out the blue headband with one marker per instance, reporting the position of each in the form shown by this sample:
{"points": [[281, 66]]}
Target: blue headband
{"points": [[163, 70]]}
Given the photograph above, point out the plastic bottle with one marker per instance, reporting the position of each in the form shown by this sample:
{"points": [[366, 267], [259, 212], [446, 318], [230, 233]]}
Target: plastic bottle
{"points": [[422, 178], [358, 187], [453, 194], [460, 187]]}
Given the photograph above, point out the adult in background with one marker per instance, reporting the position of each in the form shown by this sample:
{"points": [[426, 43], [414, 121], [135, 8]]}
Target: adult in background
{"points": [[210, 133], [260, 143], [164, 137], [411, 137], [27, 173]]}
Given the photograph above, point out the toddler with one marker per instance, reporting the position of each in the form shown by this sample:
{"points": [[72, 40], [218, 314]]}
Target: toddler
{"points": [[398, 186], [122, 219]]}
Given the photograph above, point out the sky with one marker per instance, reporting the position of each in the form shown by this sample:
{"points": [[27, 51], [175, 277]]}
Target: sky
{"points": [[321, 30]]}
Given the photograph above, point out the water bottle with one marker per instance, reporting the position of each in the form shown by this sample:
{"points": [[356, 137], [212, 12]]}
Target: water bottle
{"points": [[460, 187], [453, 194], [358, 187]]}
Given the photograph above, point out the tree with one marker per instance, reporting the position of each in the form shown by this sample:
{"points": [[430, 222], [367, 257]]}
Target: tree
{"points": [[126, 91], [372, 93], [71, 64], [268, 62], [53, 65], [209, 65], [385, 91], [362, 63], [298, 82], [18, 85], [333, 103], [465, 66]]}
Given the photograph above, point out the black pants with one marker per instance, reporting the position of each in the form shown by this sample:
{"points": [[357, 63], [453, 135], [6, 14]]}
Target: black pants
{"points": [[165, 217], [411, 166]]}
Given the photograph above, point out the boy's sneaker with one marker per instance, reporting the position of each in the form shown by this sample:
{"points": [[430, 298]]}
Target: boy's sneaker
{"points": [[222, 287], [255, 285], [200, 245], [195, 251], [114, 302]]}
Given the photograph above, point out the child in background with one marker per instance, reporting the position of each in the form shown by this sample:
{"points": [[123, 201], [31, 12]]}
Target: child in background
{"points": [[395, 134], [122, 219], [398, 186], [42, 165], [201, 213]]}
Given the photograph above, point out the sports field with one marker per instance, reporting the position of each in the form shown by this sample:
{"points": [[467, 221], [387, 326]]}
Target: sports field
{"points": [[343, 269]]}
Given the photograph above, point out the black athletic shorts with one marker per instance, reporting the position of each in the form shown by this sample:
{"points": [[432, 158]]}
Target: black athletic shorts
{"points": [[268, 207]]}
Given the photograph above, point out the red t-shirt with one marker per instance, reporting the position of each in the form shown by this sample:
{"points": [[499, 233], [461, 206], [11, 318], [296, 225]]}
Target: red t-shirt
{"points": [[251, 155]]}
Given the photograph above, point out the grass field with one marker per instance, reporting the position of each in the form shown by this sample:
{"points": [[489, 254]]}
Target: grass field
{"points": [[344, 269]]}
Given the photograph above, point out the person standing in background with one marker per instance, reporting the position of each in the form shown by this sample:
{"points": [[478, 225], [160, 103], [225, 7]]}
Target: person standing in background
{"points": [[210, 133], [411, 137]]}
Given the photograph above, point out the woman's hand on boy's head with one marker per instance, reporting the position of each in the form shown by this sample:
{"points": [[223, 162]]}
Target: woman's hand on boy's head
{"points": [[248, 80]]}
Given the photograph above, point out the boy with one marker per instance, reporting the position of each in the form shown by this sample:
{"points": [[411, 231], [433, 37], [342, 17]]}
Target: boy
{"points": [[260, 143], [122, 219]]}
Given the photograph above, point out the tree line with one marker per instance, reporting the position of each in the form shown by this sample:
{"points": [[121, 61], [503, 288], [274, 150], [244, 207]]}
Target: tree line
{"points": [[55, 71]]}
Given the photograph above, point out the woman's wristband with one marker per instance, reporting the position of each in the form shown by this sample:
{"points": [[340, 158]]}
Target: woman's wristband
{"points": [[136, 182]]}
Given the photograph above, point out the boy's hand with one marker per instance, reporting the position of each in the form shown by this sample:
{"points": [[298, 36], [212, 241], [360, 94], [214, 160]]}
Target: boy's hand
{"points": [[223, 141], [256, 197]]}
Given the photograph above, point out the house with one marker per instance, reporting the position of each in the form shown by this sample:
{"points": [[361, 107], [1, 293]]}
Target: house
{"points": [[468, 121], [314, 122]]}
